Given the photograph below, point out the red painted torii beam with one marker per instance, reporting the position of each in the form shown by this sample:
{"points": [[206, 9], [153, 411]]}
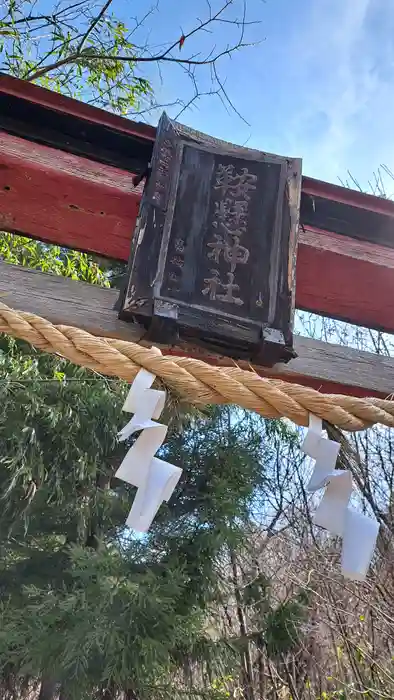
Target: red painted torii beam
{"points": [[65, 178]]}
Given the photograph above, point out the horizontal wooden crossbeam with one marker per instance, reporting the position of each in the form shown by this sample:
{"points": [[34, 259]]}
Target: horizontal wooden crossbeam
{"points": [[51, 119], [328, 368], [62, 198], [346, 279]]}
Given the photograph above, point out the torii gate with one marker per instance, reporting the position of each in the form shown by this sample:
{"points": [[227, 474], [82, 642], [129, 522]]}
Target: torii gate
{"points": [[66, 178]]}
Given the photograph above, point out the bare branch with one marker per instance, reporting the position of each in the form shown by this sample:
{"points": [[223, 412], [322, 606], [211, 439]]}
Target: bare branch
{"points": [[93, 24], [222, 88]]}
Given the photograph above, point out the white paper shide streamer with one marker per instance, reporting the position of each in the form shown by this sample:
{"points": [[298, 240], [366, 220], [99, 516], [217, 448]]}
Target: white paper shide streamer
{"points": [[358, 531], [155, 479]]}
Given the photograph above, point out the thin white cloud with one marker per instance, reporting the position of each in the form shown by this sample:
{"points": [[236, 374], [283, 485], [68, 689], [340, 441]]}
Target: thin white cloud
{"points": [[336, 68]]}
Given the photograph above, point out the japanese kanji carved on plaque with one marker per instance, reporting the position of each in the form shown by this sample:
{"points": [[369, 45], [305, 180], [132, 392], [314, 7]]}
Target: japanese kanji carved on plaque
{"points": [[213, 255]]}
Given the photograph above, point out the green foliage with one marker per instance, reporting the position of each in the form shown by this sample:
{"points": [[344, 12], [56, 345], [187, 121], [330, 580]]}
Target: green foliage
{"points": [[63, 36], [82, 600], [283, 626], [108, 623], [20, 250], [57, 426], [256, 593], [102, 609], [223, 454], [279, 626], [220, 686]]}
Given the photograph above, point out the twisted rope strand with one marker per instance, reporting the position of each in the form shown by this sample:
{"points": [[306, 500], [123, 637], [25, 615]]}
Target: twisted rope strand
{"points": [[195, 380]]}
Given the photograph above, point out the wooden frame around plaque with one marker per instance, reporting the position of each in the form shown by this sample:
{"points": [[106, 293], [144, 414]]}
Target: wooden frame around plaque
{"points": [[213, 254]]}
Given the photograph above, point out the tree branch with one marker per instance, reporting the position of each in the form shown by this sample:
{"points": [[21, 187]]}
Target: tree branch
{"points": [[164, 56], [74, 58], [93, 24]]}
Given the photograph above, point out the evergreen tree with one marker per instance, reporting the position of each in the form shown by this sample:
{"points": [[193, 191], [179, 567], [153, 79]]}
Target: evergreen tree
{"points": [[87, 607]]}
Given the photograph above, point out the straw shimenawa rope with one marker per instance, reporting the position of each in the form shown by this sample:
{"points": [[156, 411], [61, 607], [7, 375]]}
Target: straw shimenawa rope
{"points": [[193, 379]]}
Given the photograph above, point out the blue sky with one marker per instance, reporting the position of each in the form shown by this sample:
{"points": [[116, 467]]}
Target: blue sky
{"points": [[319, 85]]}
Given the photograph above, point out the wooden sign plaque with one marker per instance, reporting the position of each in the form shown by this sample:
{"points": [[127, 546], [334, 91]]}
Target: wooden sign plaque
{"points": [[213, 254]]}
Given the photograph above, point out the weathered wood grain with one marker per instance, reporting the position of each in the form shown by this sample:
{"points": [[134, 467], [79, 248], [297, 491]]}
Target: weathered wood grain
{"points": [[64, 301], [344, 278], [215, 245], [45, 117], [329, 368], [345, 195], [64, 199]]}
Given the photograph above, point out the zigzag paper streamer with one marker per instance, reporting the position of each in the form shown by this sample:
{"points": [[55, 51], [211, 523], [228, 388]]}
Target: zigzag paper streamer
{"points": [[155, 479], [358, 531]]}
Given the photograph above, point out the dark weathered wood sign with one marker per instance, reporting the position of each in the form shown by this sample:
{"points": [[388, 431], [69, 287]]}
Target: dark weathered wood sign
{"points": [[213, 254]]}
